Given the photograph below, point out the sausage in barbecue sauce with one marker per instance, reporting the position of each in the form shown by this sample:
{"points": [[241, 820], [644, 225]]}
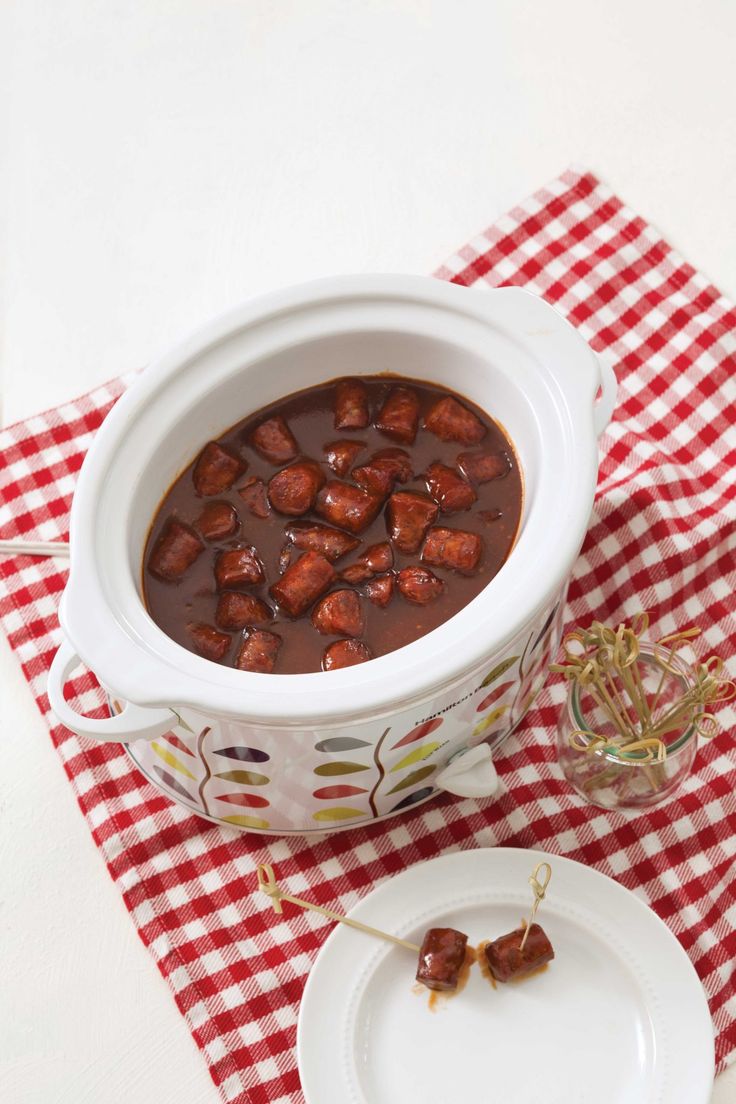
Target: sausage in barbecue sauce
{"points": [[408, 516], [399, 415], [174, 552], [351, 405], [441, 957], [303, 583], [353, 497], [507, 962], [216, 469]]}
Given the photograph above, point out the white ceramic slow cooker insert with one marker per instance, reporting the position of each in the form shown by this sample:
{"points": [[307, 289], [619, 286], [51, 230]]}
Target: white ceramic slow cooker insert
{"points": [[506, 350]]}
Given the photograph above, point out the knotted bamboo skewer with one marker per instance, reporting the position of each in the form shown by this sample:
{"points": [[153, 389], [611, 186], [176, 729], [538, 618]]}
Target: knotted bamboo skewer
{"points": [[539, 889], [268, 885]]}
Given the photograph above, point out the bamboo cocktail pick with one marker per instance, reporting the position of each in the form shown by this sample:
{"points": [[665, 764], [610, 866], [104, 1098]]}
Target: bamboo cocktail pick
{"points": [[267, 884], [539, 888]]}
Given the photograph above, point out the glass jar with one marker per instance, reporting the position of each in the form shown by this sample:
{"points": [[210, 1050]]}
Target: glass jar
{"points": [[607, 780]]}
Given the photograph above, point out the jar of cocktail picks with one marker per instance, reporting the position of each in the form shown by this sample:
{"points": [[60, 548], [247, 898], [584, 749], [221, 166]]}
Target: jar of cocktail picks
{"points": [[628, 733]]}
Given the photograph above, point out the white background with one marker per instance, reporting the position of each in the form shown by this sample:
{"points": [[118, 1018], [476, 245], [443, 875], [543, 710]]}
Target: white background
{"points": [[166, 159]]}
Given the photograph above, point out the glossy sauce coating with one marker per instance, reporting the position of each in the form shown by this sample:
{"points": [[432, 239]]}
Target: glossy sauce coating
{"points": [[441, 958], [506, 960], [359, 509]]}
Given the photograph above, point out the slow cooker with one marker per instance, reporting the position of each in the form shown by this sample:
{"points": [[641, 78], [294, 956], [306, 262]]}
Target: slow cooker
{"points": [[324, 751]]}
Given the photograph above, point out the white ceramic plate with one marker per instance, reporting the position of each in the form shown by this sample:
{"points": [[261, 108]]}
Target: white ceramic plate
{"points": [[619, 1017]]}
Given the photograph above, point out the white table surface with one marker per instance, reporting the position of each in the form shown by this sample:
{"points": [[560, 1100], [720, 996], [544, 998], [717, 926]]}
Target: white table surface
{"points": [[167, 160]]}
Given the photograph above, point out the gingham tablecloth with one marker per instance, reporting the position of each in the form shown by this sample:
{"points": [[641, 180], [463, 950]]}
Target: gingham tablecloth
{"points": [[662, 537]]}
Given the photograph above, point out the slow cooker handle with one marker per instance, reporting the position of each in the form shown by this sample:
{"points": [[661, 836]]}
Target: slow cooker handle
{"points": [[134, 722], [470, 773], [605, 403]]}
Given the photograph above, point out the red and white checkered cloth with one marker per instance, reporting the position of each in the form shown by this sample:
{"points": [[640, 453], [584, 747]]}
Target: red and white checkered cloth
{"points": [[662, 537]]}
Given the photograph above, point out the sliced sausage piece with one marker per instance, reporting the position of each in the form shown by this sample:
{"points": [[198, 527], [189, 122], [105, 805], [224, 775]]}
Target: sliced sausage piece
{"points": [[238, 567], [408, 517], [449, 420], [480, 467], [293, 490], [507, 961], [217, 521], [383, 470], [208, 642], [345, 653], [302, 583], [453, 548], [332, 543], [174, 552], [441, 958], [380, 590], [374, 479], [274, 441], [376, 559], [253, 494], [339, 614], [235, 611], [395, 460], [399, 415], [258, 652], [348, 507], [351, 405], [341, 455], [216, 469], [418, 585], [448, 489], [379, 557]]}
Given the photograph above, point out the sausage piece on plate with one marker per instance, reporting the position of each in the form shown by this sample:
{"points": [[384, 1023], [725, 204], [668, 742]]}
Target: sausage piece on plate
{"points": [[448, 489], [339, 614], [453, 548], [208, 641], [332, 543], [449, 420], [341, 455], [481, 467], [293, 490], [217, 521], [302, 583], [348, 507], [441, 958], [258, 652], [351, 405], [507, 961], [380, 590], [376, 559], [236, 610], [408, 517], [345, 653], [399, 415], [274, 441], [216, 469], [253, 494], [238, 567], [418, 585], [174, 552]]}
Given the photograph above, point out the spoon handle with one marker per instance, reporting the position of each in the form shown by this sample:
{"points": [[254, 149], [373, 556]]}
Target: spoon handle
{"points": [[33, 548]]}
